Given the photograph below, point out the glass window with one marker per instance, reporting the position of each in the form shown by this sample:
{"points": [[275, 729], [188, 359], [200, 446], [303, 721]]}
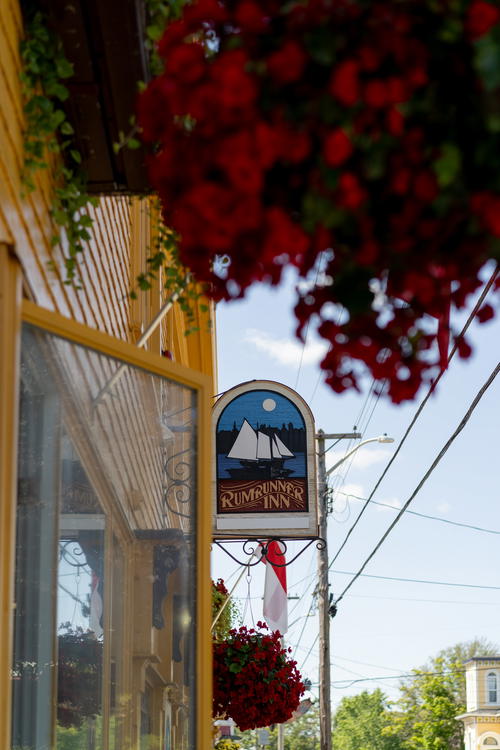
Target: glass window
{"points": [[103, 446], [80, 607], [33, 670], [119, 699], [490, 741], [491, 687]]}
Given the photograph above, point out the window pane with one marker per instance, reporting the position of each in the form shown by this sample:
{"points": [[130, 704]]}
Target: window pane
{"points": [[103, 445], [492, 687], [80, 608], [36, 559]]}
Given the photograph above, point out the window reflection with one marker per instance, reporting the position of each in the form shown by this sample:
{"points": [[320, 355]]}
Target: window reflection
{"points": [[80, 609], [105, 612]]}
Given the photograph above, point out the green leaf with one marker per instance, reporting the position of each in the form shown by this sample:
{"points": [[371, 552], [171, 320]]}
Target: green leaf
{"points": [[449, 164], [487, 61], [66, 128], [76, 156], [64, 68]]}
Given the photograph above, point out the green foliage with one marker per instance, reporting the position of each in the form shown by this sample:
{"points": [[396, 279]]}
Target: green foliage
{"points": [[48, 132], [164, 256], [299, 734], [432, 699], [160, 12], [226, 744], [229, 615], [360, 723]]}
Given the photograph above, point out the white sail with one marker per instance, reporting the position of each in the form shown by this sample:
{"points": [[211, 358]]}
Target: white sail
{"points": [[252, 445], [245, 445], [276, 450], [284, 452], [263, 446]]}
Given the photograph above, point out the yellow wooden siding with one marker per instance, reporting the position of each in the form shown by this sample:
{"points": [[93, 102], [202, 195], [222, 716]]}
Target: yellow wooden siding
{"points": [[113, 257]]}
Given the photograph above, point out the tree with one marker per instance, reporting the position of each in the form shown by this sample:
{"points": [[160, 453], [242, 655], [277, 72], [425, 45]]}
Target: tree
{"points": [[360, 721], [299, 734], [433, 697]]}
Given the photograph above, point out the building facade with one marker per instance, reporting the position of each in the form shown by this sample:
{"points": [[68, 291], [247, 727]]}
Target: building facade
{"points": [[104, 472], [482, 718]]}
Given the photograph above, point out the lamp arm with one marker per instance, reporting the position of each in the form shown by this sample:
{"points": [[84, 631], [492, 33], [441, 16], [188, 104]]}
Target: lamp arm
{"points": [[349, 454]]}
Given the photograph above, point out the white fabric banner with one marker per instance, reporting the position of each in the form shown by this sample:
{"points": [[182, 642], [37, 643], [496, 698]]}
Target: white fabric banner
{"points": [[275, 607]]}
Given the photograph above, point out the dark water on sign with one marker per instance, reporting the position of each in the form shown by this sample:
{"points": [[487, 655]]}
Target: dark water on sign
{"points": [[296, 465]]}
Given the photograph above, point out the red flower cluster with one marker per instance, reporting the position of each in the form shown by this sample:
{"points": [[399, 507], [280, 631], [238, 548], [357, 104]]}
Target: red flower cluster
{"points": [[255, 682], [220, 587], [357, 138]]}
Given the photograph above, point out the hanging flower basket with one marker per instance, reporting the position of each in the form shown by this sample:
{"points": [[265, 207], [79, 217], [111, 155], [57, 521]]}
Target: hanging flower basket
{"points": [[255, 682], [357, 140]]}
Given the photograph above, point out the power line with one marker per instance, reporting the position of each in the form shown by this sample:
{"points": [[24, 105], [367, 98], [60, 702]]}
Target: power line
{"points": [[406, 676], [427, 474], [421, 407], [422, 515], [412, 580], [427, 601]]}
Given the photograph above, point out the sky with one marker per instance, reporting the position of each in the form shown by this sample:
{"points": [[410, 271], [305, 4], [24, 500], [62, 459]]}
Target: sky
{"points": [[383, 628]]}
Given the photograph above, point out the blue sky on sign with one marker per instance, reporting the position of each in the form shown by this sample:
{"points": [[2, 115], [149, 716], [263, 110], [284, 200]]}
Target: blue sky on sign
{"points": [[432, 583], [260, 407]]}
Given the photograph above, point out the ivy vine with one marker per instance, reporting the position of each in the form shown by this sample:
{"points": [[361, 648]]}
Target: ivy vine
{"points": [[164, 258], [48, 131]]}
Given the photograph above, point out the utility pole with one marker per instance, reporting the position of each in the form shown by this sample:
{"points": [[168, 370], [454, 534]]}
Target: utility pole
{"points": [[325, 709]]}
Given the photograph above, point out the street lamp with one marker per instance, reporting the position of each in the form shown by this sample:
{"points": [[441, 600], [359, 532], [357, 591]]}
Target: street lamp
{"points": [[381, 439], [325, 715]]}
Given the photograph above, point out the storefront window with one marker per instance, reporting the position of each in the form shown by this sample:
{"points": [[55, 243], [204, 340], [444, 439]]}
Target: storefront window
{"points": [[105, 616], [80, 608]]}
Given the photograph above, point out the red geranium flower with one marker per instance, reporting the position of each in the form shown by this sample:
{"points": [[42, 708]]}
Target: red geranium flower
{"points": [[344, 83], [337, 147], [481, 16], [286, 64]]}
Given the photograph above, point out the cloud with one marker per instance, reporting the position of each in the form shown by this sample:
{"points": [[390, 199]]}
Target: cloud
{"points": [[443, 508], [285, 351], [362, 459]]}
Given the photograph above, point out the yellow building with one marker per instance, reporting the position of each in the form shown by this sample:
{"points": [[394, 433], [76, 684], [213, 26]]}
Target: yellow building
{"points": [[104, 444], [482, 718]]}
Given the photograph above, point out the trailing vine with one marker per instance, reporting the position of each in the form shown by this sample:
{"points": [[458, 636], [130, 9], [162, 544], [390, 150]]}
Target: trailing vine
{"points": [[227, 618], [164, 258], [48, 132], [164, 253]]}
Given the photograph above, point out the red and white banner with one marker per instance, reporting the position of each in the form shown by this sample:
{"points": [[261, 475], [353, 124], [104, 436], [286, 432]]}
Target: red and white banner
{"points": [[275, 594]]}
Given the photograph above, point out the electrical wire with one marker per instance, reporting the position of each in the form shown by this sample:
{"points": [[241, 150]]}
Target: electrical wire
{"points": [[416, 580], [431, 390], [427, 474], [422, 515], [404, 676]]}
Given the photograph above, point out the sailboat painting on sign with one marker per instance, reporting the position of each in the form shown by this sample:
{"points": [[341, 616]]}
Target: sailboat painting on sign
{"points": [[264, 440], [262, 455]]}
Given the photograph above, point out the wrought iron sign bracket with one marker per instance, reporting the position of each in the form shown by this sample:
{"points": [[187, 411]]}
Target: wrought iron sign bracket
{"points": [[257, 549]]}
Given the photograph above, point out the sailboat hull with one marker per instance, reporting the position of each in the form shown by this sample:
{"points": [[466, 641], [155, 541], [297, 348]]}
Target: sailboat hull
{"points": [[274, 469]]}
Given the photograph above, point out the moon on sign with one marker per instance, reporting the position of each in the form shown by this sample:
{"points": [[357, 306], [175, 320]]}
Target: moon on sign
{"points": [[269, 404]]}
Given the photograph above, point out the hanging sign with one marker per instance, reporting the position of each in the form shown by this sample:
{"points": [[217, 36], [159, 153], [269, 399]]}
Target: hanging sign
{"points": [[265, 466]]}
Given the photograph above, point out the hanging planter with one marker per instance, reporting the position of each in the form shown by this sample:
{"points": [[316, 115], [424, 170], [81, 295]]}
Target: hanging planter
{"points": [[255, 682], [355, 140]]}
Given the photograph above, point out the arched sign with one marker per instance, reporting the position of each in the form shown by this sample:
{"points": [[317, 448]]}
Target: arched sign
{"points": [[265, 463]]}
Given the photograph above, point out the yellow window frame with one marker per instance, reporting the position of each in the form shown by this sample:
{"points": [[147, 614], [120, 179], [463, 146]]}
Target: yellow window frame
{"points": [[84, 336]]}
